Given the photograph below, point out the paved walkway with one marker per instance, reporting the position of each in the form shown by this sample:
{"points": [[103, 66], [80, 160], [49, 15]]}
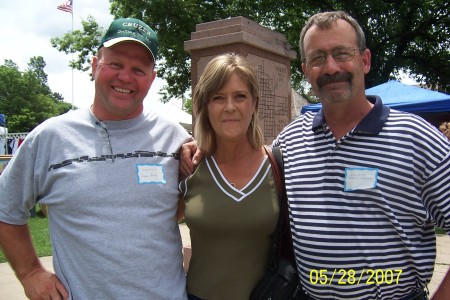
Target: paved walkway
{"points": [[10, 288]]}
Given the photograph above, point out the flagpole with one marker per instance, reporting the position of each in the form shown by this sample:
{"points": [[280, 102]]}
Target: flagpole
{"points": [[72, 55], [67, 6]]}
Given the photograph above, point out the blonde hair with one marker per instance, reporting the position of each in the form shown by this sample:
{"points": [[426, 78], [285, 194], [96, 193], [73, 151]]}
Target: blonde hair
{"points": [[217, 72]]}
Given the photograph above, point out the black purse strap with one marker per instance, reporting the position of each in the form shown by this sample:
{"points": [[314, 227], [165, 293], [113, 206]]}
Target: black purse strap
{"points": [[275, 156], [277, 175], [283, 246]]}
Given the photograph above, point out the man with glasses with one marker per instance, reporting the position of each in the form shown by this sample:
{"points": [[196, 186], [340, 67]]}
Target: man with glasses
{"points": [[366, 184]]}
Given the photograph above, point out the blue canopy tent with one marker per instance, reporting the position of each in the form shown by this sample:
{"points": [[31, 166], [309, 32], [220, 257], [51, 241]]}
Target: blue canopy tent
{"points": [[404, 97], [2, 120]]}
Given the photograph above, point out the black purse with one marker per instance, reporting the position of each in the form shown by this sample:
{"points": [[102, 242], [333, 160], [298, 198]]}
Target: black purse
{"points": [[281, 282]]}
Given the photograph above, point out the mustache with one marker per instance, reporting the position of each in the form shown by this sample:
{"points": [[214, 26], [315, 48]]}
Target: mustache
{"points": [[326, 79]]}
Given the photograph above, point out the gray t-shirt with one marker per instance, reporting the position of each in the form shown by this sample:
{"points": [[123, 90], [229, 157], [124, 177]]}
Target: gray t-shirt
{"points": [[111, 192]]}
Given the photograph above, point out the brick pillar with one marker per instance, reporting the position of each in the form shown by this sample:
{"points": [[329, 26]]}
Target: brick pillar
{"points": [[269, 53]]}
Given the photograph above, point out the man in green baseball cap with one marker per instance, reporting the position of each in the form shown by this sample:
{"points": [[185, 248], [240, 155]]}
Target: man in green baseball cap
{"points": [[124, 69], [108, 175]]}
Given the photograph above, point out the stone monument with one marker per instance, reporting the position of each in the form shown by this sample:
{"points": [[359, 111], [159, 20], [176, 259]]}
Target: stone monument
{"points": [[269, 53]]}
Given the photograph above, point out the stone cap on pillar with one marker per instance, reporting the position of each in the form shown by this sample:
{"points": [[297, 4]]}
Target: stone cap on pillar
{"points": [[239, 30]]}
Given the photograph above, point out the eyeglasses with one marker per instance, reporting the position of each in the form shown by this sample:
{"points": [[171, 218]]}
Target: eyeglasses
{"points": [[319, 57]]}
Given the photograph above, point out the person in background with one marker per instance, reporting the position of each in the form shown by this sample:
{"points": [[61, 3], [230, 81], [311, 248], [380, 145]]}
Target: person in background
{"points": [[231, 203], [366, 184], [445, 129], [108, 175]]}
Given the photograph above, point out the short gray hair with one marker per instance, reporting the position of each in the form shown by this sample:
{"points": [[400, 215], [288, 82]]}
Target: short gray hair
{"points": [[324, 21]]}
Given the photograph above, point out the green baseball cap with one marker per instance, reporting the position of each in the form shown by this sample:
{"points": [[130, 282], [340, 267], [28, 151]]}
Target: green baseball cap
{"points": [[131, 29]]}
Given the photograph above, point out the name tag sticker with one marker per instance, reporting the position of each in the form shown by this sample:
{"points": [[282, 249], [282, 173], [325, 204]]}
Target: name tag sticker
{"points": [[153, 174], [360, 178]]}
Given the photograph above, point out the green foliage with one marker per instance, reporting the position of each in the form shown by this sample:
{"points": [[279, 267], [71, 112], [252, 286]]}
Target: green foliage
{"points": [[412, 36], [187, 106], [408, 35], [84, 42], [25, 97]]}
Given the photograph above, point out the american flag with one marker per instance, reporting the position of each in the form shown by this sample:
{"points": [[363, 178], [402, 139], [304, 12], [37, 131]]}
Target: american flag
{"points": [[65, 6]]}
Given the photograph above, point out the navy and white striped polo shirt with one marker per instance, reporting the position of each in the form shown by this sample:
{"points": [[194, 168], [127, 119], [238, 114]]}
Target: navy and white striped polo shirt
{"points": [[363, 208]]}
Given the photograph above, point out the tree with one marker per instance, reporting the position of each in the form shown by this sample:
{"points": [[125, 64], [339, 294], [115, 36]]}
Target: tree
{"points": [[187, 106], [83, 42], [25, 97], [411, 36]]}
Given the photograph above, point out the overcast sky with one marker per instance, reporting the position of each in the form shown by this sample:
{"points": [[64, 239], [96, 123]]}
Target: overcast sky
{"points": [[26, 29]]}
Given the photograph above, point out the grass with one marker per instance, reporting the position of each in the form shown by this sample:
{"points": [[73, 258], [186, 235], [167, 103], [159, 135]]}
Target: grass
{"points": [[439, 230], [40, 235]]}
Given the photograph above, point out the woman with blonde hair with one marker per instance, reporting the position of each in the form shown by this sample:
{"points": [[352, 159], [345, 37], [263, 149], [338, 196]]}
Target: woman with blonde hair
{"points": [[231, 203]]}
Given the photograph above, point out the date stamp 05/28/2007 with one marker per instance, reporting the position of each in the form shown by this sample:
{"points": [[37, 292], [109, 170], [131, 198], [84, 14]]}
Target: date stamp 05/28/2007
{"points": [[350, 276]]}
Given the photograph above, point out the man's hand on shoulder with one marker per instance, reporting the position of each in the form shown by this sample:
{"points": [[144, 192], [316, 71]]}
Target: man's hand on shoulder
{"points": [[190, 157]]}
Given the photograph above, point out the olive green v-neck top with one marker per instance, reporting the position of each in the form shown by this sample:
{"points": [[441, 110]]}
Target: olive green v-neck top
{"points": [[231, 231]]}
